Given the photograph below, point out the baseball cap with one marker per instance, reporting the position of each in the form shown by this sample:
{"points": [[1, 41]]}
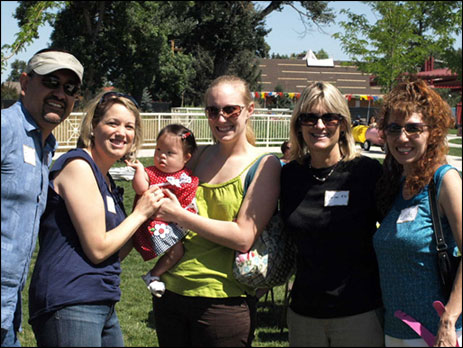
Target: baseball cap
{"points": [[47, 62]]}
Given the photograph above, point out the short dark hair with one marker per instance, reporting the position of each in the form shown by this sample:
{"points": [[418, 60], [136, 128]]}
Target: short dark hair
{"points": [[284, 146], [188, 139]]}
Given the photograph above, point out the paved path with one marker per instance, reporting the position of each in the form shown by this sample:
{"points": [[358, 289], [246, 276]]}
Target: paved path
{"points": [[376, 152]]}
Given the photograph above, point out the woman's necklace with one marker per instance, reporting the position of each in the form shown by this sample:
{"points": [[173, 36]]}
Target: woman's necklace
{"points": [[329, 174]]}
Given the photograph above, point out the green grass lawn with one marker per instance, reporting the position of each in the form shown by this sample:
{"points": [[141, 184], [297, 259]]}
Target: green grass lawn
{"points": [[135, 309], [454, 151]]}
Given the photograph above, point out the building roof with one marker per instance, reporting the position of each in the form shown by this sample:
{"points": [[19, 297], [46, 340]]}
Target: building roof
{"points": [[293, 75], [445, 72], [441, 78]]}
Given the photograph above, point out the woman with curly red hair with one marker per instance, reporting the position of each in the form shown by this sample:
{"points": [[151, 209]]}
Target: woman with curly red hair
{"points": [[414, 122]]}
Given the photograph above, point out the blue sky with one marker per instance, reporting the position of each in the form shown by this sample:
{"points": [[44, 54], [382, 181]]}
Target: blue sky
{"points": [[284, 38]]}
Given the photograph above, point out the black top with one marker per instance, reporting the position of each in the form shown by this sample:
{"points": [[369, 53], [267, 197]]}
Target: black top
{"points": [[337, 271]]}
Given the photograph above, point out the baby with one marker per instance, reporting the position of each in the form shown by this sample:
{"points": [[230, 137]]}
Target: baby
{"points": [[175, 145]]}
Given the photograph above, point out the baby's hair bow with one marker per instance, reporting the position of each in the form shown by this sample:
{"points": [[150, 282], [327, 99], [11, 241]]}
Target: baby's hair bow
{"points": [[186, 135]]}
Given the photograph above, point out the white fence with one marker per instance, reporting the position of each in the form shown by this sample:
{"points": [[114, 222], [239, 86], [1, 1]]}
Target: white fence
{"points": [[271, 129]]}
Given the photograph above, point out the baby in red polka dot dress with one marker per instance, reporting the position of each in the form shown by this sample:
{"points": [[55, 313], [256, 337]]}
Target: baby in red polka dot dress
{"points": [[175, 145]]}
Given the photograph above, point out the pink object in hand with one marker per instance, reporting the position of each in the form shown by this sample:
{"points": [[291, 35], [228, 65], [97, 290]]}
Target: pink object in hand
{"points": [[419, 328]]}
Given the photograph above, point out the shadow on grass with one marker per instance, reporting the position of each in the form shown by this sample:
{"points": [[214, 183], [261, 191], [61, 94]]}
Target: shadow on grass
{"points": [[150, 319], [271, 327]]}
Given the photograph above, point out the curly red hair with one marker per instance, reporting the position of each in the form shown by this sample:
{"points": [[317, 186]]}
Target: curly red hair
{"points": [[405, 99]]}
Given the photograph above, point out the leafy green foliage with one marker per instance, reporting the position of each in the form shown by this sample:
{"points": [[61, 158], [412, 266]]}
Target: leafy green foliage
{"points": [[172, 48], [17, 67], [31, 15], [404, 36], [9, 93]]}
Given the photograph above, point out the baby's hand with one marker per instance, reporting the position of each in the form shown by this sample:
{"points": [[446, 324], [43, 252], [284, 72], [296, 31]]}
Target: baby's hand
{"points": [[135, 164]]}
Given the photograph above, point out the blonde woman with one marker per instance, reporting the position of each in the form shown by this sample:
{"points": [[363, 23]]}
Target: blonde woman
{"points": [[328, 205], [84, 232], [203, 304]]}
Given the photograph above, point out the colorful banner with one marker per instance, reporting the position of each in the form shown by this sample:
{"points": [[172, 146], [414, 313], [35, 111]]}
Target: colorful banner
{"points": [[292, 95]]}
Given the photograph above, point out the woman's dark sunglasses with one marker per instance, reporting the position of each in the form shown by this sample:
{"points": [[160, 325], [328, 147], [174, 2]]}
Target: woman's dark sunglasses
{"points": [[53, 82], [112, 95], [328, 119], [395, 129], [232, 111]]}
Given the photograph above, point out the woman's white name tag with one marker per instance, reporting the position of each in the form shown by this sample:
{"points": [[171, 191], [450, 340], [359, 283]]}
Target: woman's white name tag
{"points": [[336, 198], [408, 214], [110, 203]]}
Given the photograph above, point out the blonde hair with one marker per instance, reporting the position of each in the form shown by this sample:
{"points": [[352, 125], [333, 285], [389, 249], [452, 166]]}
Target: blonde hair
{"points": [[245, 93], [95, 112], [328, 96]]}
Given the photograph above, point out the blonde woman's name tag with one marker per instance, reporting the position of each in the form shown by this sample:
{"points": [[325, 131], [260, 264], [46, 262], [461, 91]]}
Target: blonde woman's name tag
{"points": [[110, 203], [336, 198], [408, 214]]}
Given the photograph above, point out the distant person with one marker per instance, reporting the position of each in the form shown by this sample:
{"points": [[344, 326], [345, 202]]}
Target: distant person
{"points": [[49, 87], [85, 232], [175, 145], [327, 203], [285, 150], [372, 122], [415, 121], [203, 304]]}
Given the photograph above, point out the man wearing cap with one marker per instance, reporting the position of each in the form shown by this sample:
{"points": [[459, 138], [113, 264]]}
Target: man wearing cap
{"points": [[49, 87]]}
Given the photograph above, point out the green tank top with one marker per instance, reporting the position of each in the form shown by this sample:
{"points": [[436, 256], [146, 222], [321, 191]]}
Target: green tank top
{"points": [[206, 267]]}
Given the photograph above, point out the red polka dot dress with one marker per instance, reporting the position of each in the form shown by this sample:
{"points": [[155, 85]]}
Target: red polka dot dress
{"points": [[154, 237]]}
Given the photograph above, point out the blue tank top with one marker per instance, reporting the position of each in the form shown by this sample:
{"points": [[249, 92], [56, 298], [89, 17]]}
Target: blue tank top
{"points": [[63, 275], [407, 258]]}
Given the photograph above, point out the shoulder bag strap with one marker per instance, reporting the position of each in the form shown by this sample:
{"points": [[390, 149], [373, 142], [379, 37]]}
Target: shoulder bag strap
{"points": [[251, 172], [437, 226]]}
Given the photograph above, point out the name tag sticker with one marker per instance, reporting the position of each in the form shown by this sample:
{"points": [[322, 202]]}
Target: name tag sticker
{"points": [[29, 154], [408, 214], [336, 198], [110, 204]]}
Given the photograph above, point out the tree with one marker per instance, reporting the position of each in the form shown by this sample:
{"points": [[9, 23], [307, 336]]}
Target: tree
{"points": [[17, 67], [9, 93], [321, 54], [146, 101], [404, 36], [31, 16], [125, 43], [128, 43]]}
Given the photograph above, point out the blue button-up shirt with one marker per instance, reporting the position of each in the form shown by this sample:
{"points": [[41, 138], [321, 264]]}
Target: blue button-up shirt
{"points": [[24, 185]]}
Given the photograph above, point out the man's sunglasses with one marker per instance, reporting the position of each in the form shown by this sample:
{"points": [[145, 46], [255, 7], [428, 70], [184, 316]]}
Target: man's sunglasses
{"points": [[113, 95], [228, 111], [53, 82], [394, 129], [328, 119]]}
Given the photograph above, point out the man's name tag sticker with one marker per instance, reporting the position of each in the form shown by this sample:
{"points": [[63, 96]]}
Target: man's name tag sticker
{"points": [[336, 198], [110, 203], [408, 214], [29, 154]]}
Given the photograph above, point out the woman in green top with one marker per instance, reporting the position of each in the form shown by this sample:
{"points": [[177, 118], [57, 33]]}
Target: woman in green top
{"points": [[203, 304]]}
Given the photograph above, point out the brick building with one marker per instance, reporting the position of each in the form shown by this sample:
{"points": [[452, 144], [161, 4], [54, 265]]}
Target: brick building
{"points": [[293, 75]]}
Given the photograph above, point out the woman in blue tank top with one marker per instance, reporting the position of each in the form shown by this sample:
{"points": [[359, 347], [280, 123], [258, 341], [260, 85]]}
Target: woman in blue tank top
{"points": [[415, 121], [84, 232]]}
